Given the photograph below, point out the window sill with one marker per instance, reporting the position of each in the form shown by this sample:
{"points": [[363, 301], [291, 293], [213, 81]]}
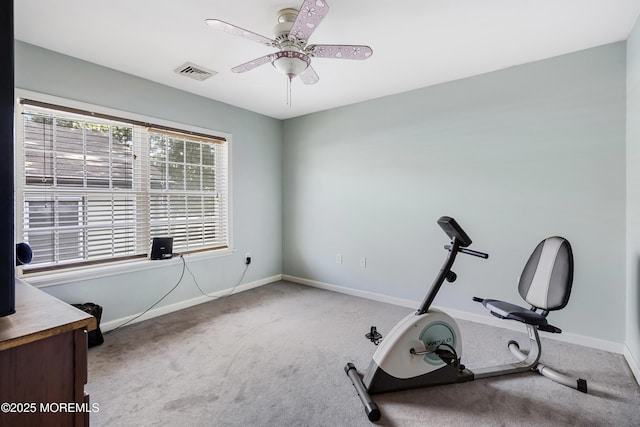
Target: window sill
{"points": [[43, 280]]}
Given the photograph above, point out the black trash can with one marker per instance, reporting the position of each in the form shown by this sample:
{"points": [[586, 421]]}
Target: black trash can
{"points": [[95, 336]]}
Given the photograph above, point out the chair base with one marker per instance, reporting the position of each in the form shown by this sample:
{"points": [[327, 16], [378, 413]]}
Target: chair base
{"points": [[579, 384], [528, 361]]}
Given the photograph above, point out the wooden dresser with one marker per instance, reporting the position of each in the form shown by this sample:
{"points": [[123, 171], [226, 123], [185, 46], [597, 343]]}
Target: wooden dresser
{"points": [[43, 362]]}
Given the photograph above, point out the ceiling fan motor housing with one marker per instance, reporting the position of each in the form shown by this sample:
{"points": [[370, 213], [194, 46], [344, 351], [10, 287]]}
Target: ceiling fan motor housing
{"points": [[290, 61], [282, 30]]}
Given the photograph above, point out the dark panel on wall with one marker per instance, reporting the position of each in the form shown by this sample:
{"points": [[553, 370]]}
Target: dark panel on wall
{"points": [[7, 260]]}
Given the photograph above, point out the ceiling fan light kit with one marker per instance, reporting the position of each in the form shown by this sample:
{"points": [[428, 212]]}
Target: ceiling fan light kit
{"points": [[290, 63], [291, 35]]}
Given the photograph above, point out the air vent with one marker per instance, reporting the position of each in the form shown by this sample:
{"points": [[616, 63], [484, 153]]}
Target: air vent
{"points": [[194, 71]]}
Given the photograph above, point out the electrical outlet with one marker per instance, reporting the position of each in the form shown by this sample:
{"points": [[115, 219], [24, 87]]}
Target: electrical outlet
{"points": [[247, 258], [338, 258], [363, 261]]}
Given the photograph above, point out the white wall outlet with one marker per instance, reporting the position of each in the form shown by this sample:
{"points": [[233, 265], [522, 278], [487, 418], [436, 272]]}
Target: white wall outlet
{"points": [[363, 261], [338, 258]]}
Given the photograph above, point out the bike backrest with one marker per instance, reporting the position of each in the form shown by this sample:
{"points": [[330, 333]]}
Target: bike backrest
{"points": [[547, 277]]}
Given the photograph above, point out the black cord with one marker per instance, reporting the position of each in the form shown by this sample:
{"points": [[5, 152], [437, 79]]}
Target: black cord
{"points": [[216, 296], [184, 265]]}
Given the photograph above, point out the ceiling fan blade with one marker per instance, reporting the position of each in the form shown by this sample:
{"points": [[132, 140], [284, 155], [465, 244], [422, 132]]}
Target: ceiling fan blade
{"points": [[339, 51], [309, 76], [237, 31], [309, 17], [248, 66]]}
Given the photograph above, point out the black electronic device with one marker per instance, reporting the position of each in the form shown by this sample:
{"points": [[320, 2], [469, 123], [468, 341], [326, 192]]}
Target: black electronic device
{"points": [[161, 248]]}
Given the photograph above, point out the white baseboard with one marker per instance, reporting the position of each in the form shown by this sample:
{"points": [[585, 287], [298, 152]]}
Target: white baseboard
{"points": [[568, 337], [107, 326], [348, 291], [633, 364]]}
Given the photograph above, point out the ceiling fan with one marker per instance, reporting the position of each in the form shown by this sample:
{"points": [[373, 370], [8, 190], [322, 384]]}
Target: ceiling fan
{"points": [[291, 36]]}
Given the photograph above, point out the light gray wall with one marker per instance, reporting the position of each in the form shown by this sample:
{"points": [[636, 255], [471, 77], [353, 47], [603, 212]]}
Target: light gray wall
{"points": [[633, 195], [256, 179], [514, 155]]}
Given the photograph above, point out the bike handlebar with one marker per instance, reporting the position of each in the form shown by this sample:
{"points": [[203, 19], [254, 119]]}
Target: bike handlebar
{"points": [[469, 252]]}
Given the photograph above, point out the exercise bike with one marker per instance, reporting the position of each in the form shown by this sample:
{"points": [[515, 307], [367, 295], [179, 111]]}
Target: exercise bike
{"points": [[425, 348]]}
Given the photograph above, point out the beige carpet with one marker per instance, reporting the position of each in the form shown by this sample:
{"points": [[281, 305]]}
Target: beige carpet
{"points": [[274, 356]]}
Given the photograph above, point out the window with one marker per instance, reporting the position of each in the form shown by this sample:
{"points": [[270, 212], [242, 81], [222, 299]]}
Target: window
{"points": [[96, 188], [183, 201]]}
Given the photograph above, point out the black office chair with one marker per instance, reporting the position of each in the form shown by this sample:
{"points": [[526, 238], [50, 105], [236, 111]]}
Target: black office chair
{"points": [[545, 283]]}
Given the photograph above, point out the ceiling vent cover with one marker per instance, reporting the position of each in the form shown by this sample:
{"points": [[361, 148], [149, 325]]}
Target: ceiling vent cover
{"points": [[194, 71]]}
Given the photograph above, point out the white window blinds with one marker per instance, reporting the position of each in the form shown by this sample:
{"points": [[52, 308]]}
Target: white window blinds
{"points": [[186, 200], [95, 188]]}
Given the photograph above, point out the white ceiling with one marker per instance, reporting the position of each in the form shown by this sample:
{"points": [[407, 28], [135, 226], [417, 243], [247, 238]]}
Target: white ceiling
{"points": [[416, 43]]}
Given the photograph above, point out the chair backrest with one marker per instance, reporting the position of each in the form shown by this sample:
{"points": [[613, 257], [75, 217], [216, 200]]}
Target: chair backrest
{"points": [[547, 277]]}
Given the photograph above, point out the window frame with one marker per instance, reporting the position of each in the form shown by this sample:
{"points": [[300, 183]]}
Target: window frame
{"points": [[96, 269]]}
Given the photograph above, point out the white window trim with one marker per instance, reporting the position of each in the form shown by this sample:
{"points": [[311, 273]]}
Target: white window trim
{"points": [[96, 271]]}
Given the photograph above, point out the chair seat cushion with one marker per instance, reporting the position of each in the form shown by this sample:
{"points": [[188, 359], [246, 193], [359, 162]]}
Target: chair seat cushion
{"points": [[507, 310]]}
